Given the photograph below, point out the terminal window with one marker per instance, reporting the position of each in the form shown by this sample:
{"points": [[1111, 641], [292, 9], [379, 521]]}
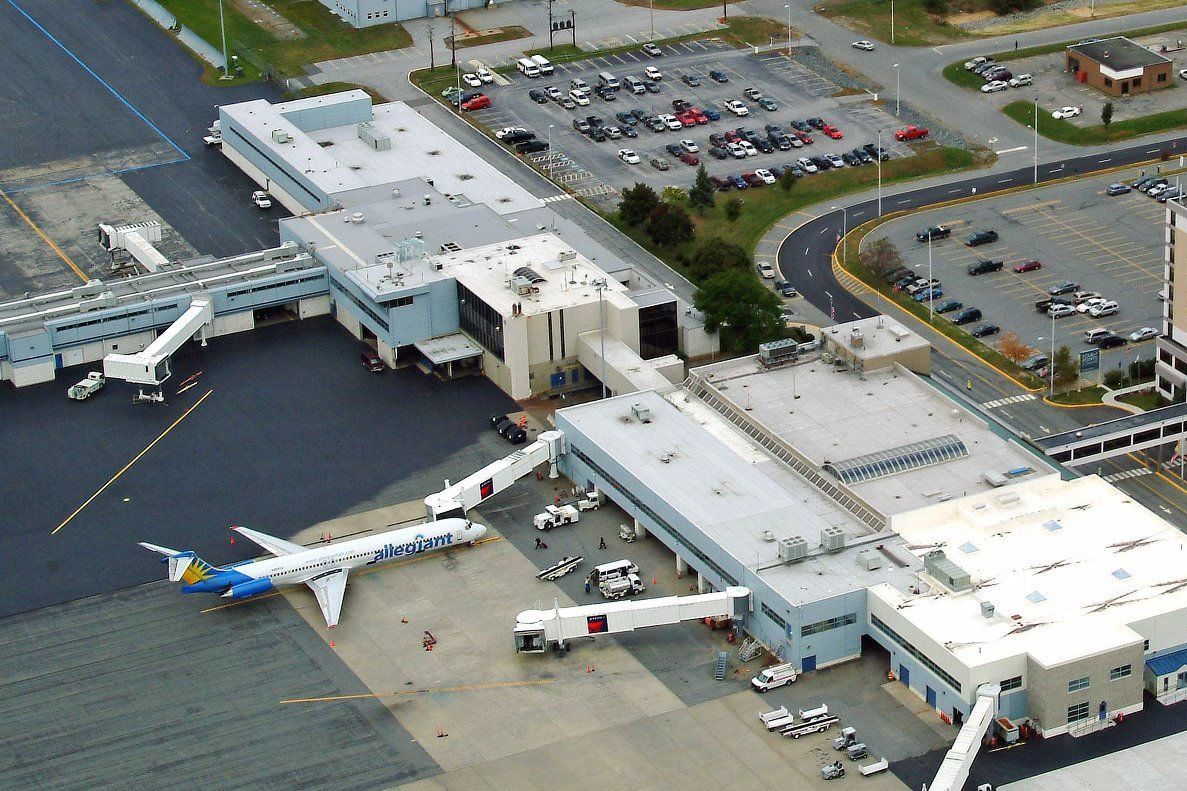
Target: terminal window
{"points": [[1077, 684], [828, 624], [774, 616], [1011, 683], [1118, 673], [1077, 712]]}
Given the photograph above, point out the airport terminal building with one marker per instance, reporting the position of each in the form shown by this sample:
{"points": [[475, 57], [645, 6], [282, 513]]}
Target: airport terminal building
{"points": [[859, 503]]}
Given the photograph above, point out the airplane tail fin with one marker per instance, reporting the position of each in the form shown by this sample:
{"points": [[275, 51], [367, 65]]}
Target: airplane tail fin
{"points": [[184, 566]]}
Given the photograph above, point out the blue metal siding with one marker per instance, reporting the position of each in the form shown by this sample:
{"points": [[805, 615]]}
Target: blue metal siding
{"points": [[1013, 704], [433, 312], [338, 113], [272, 290]]}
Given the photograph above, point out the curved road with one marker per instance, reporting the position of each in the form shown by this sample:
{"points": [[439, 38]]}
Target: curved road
{"points": [[805, 256]]}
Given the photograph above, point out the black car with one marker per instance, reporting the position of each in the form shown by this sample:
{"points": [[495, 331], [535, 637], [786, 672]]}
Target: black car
{"points": [[985, 266], [640, 115], [691, 80], [651, 85], [800, 126], [982, 237], [521, 136], [739, 182], [865, 157], [875, 152], [629, 131], [626, 118], [655, 125], [983, 330], [967, 316], [674, 149], [597, 134], [764, 146], [605, 94], [717, 152], [721, 183], [821, 163], [785, 288], [781, 141], [750, 135], [816, 123], [1111, 342], [849, 158], [680, 105], [537, 96], [594, 120], [718, 76], [949, 305], [531, 146], [906, 280], [1066, 287]]}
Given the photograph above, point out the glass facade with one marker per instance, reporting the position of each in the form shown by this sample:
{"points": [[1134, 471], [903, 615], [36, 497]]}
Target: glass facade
{"points": [[898, 639], [828, 624], [480, 321], [900, 459], [659, 333]]}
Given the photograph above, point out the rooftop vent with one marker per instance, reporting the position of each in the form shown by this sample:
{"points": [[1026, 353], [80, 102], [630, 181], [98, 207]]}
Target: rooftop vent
{"points": [[856, 339], [1035, 597], [1122, 574], [567, 255], [281, 136], [450, 247], [946, 572], [832, 539], [870, 560], [529, 274], [968, 547], [373, 137], [641, 413], [792, 549], [1053, 525], [987, 609]]}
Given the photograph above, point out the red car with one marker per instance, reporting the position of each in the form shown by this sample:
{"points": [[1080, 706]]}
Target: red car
{"points": [[688, 118], [700, 117], [804, 137], [732, 137], [479, 102], [753, 179], [832, 131], [690, 159], [911, 132], [1027, 266]]}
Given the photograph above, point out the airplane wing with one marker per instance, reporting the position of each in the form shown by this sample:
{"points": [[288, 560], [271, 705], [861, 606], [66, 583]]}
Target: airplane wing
{"points": [[329, 589], [277, 546]]}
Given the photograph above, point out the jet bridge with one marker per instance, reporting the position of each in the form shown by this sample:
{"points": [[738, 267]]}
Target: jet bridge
{"points": [[151, 366], [954, 769], [456, 499]]}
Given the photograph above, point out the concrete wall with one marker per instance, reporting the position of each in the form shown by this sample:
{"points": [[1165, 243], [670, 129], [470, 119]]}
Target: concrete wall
{"points": [[1048, 698], [367, 13]]}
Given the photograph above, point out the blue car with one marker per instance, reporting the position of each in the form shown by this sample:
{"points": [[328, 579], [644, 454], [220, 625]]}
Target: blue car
{"points": [[712, 115], [929, 294], [739, 182]]}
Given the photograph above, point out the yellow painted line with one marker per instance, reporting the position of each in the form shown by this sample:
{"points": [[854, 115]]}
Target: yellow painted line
{"points": [[1030, 207], [538, 682], [53, 246], [1049, 402], [354, 573], [137, 458]]}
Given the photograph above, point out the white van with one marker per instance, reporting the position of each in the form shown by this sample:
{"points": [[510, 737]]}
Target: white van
{"points": [[578, 84], [609, 80], [543, 64], [611, 571], [774, 677], [527, 68], [634, 84]]}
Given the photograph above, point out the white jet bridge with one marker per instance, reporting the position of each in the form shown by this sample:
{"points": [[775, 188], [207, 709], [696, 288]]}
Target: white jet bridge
{"points": [[456, 499], [151, 366], [535, 630], [137, 239], [954, 770]]}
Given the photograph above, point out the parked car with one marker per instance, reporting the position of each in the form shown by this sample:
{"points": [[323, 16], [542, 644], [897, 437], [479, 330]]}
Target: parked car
{"points": [[1111, 341], [659, 164], [651, 86], [928, 294], [691, 80], [1058, 311], [261, 199], [484, 75], [721, 183], [967, 316], [949, 306], [652, 73], [985, 266], [472, 81], [1066, 112], [753, 179], [863, 45], [717, 152], [851, 159], [1035, 362], [1106, 308], [911, 132], [739, 182], [480, 102], [982, 237], [754, 94], [1027, 266], [1066, 287], [747, 148], [628, 156], [531, 146], [785, 288], [537, 96], [765, 270], [737, 108], [372, 361], [718, 76], [969, 65], [807, 165], [766, 175], [1174, 193], [831, 131], [1093, 336], [652, 50], [921, 284], [934, 233], [994, 86], [1143, 334], [690, 159], [580, 98], [767, 104], [835, 161], [985, 330], [1022, 79]]}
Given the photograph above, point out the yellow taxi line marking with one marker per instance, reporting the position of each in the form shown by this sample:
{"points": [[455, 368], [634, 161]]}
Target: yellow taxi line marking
{"points": [[135, 459], [37, 230], [432, 690]]}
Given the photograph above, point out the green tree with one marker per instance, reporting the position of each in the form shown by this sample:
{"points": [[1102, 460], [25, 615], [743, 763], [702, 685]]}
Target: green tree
{"points": [[737, 303], [787, 179], [638, 202], [733, 209], [701, 196], [1106, 114], [1114, 379], [1065, 367], [714, 255], [880, 256], [669, 224], [675, 196]]}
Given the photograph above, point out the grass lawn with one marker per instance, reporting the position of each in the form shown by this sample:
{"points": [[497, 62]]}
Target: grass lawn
{"points": [[1065, 132], [1145, 399], [509, 33], [913, 26], [677, 5], [1087, 395], [326, 36], [336, 87]]}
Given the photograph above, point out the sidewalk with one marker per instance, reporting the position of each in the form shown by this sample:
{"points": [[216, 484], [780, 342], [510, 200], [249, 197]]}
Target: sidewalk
{"points": [[1110, 398]]}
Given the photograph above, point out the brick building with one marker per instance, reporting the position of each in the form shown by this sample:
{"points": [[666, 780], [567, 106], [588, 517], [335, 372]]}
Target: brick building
{"points": [[1118, 66]]}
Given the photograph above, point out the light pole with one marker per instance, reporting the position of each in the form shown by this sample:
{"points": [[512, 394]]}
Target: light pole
{"points": [[432, 57], [223, 27], [651, 3], [1036, 140], [844, 231], [601, 286], [550, 157], [931, 303], [892, 21], [879, 172], [1051, 359], [896, 91], [788, 7]]}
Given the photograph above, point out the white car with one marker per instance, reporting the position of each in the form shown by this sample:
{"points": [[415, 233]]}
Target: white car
{"points": [[652, 73], [1157, 190], [508, 130], [261, 199], [1066, 112], [764, 269], [471, 80], [1144, 334], [689, 146], [969, 65], [671, 122], [1089, 304], [749, 148], [995, 86], [1020, 80], [484, 75], [1106, 308], [806, 165], [1183, 74], [213, 140], [865, 46], [767, 178], [736, 151], [613, 132], [580, 98], [1060, 310], [628, 156], [835, 160], [737, 108]]}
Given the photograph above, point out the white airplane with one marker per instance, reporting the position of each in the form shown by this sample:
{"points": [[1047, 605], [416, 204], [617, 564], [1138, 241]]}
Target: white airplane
{"points": [[323, 569]]}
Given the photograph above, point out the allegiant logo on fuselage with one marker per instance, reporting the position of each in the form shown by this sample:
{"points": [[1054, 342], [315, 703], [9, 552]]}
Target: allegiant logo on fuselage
{"points": [[413, 547]]}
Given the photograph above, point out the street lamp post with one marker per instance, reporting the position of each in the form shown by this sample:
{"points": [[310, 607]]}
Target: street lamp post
{"points": [[432, 58], [892, 21], [879, 172], [223, 27], [896, 90], [788, 7], [844, 231], [1036, 140]]}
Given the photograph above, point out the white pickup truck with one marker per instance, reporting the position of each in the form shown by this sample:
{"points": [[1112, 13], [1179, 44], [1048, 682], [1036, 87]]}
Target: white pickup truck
{"points": [[87, 387], [555, 516]]}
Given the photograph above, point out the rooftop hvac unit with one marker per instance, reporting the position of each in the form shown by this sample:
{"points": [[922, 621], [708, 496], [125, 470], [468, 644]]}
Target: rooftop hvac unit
{"points": [[856, 339], [946, 572], [281, 136], [777, 352], [993, 479], [89, 289], [870, 559], [521, 285], [375, 138], [832, 539], [1007, 499], [641, 413], [567, 255], [792, 549], [987, 609]]}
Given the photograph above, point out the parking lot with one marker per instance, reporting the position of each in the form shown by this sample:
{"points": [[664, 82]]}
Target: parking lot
{"points": [[591, 168], [1109, 245]]}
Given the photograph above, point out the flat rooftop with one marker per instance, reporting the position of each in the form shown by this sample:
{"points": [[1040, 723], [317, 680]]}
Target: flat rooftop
{"points": [[338, 162], [875, 337], [1068, 565], [735, 493], [1119, 53], [832, 414]]}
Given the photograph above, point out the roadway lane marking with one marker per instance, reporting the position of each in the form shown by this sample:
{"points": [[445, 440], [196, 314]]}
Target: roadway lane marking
{"points": [[460, 688], [805, 251], [1124, 474], [1011, 150], [1015, 399], [1106, 159], [1044, 429], [137, 458], [810, 273], [52, 245]]}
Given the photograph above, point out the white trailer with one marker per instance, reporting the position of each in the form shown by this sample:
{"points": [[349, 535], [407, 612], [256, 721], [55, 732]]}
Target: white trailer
{"points": [[87, 387], [555, 516], [536, 630]]}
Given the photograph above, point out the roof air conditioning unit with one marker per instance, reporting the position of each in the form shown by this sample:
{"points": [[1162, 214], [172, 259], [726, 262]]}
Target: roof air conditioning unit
{"points": [[642, 413], [856, 339], [832, 539], [987, 609], [281, 136], [792, 549], [870, 559], [357, 218], [567, 255]]}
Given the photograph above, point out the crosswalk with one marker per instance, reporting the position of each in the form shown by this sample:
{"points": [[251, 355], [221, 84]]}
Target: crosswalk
{"points": [[1015, 399], [1126, 474], [556, 198]]}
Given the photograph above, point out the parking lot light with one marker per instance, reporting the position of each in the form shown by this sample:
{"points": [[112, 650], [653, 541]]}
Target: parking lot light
{"points": [[844, 232], [788, 7], [879, 172], [1036, 140], [896, 90]]}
